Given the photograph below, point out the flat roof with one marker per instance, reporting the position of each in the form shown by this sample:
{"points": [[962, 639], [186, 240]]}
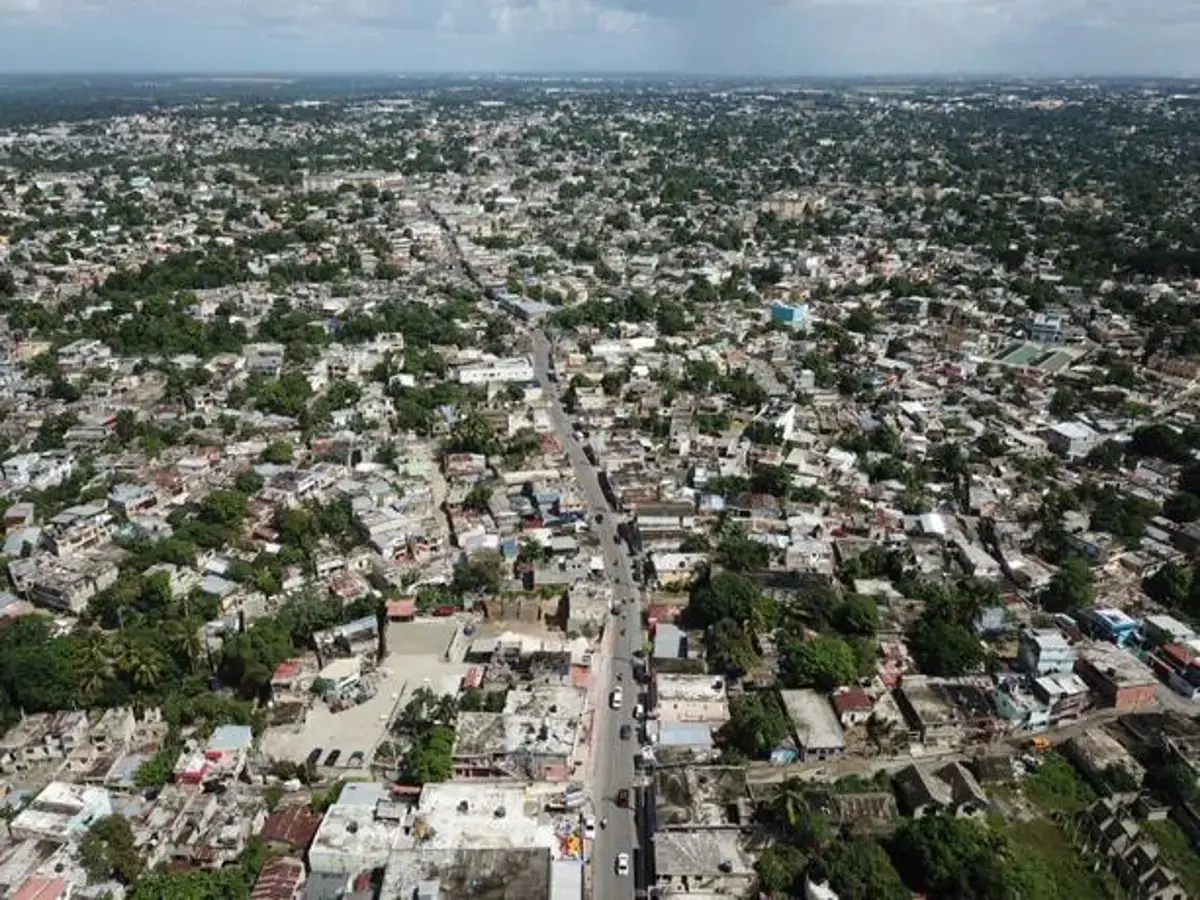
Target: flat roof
{"points": [[814, 719]]}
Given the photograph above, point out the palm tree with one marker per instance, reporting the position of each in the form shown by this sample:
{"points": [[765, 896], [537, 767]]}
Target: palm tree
{"points": [[790, 803], [97, 663], [185, 644], [142, 664]]}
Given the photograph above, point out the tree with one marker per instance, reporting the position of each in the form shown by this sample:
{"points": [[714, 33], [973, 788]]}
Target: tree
{"points": [[224, 508], [825, 662], [857, 614], [730, 648], [943, 856], [738, 552], [859, 867], [1170, 585], [280, 453], [481, 573], [757, 724], [945, 647], [727, 595], [1072, 587], [248, 482], [1182, 507], [108, 851], [781, 870]]}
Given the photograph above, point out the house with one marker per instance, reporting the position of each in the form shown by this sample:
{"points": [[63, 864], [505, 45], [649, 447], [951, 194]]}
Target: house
{"points": [[1110, 831], [1044, 652], [515, 369], [61, 812], [950, 788], [942, 712], [42, 737], [1116, 678], [291, 829], [280, 879], [815, 726], [1073, 440], [1165, 629], [1108, 625], [854, 706]]}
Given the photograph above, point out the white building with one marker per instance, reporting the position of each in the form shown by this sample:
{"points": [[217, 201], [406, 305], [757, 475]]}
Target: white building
{"points": [[513, 369], [61, 812]]}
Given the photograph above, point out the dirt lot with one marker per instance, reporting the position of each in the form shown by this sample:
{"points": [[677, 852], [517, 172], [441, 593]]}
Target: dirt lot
{"points": [[415, 659]]}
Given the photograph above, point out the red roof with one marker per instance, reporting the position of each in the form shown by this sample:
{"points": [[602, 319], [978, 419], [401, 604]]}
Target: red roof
{"points": [[287, 670], [295, 826], [401, 609], [279, 879], [852, 699], [37, 888]]}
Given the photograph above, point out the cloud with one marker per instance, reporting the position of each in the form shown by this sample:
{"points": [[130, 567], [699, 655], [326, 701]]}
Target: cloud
{"points": [[730, 36]]}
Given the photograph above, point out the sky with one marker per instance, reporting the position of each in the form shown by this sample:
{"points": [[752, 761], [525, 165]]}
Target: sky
{"points": [[729, 37]]}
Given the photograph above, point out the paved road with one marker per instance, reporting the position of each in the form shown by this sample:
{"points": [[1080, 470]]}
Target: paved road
{"points": [[613, 757], [612, 766]]}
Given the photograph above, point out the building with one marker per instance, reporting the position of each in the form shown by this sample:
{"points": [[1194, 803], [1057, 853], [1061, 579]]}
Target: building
{"points": [[514, 369], [357, 833], [948, 789], [1117, 679], [1047, 328], [61, 812], [815, 725], [942, 712], [1164, 629], [1045, 652], [793, 315], [1108, 625], [1072, 440]]}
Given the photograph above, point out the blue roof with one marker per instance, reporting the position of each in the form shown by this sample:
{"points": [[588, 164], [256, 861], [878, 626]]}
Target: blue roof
{"points": [[684, 734]]}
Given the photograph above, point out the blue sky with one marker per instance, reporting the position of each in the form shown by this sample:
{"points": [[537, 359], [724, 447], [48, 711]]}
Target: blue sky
{"points": [[800, 37]]}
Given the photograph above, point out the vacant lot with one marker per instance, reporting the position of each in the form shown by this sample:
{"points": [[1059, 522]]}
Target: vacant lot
{"points": [[415, 659]]}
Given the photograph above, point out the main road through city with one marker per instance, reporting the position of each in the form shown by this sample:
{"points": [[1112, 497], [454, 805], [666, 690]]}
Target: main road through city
{"points": [[613, 757], [612, 767]]}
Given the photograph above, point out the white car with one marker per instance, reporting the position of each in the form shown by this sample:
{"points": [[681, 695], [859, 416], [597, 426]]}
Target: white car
{"points": [[622, 864], [589, 828], [615, 698]]}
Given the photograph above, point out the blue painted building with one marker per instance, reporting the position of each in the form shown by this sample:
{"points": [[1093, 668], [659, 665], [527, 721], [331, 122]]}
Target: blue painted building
{"points": [[794, 315]]}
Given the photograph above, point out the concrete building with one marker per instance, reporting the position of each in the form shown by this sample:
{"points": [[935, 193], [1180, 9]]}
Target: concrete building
{"points": [[1045, 652], [61, 812], [515, 369], [946, 789], [1072, 440], [1117, 679], [815, 725]]}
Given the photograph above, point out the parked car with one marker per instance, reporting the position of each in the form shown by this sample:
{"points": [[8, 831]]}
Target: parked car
{"points": [[314, 757], [622, 864], [615, 698], [332, 758], [589, 828], [356, 759]]}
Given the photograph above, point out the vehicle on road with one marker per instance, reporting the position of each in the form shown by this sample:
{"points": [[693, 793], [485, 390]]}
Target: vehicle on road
{"points": [[622, 864], [639, 711], [616, 698], [623, 797], [626, 732], [599, 518], [589, 828], [616, 539]]}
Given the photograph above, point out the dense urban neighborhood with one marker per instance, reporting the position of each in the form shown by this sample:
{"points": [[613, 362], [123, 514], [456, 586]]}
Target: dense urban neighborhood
{"points": [[550, 489]]}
